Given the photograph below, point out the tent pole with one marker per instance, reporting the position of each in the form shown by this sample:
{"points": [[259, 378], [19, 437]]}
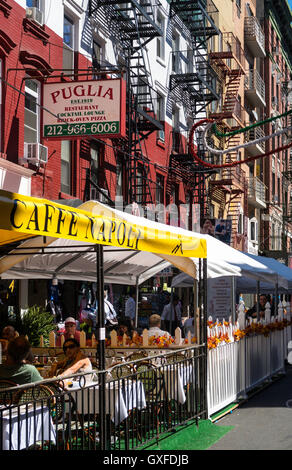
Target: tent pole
{"points": [[136, 305], [100, 317]]}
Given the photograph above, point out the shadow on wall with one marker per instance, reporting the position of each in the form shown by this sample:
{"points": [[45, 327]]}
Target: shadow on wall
{"points": [[12, 149]]}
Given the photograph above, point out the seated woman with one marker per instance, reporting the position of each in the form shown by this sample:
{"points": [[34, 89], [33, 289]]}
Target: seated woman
{"points": [[74, 362]]}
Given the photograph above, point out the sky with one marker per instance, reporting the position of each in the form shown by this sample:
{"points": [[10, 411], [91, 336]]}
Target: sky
{"points": [[290, 3]]}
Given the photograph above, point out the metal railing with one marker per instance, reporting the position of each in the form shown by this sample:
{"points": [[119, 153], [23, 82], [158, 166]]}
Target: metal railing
{"points": [[253, 81], [253, 30], [256, 189], [125, 407]]}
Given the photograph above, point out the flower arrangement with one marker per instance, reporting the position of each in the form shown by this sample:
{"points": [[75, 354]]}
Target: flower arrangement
{"points": [[215, 339], [193, 340], [161, 341]]}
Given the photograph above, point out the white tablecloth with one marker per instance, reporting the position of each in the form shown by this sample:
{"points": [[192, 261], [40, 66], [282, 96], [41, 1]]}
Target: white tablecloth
{"points": [[25, 426], [119, 399], [176, 378]]}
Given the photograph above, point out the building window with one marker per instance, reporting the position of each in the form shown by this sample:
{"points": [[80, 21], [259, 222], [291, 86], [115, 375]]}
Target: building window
{"points": [[120, 179], [66, 154], [31, 112], [33, 3], [160, 40], [94, 163], [240, 223], [253, 236], [96, 55], [159, 189], [68, 43], [160, 112], [273, 237], [175, 53]]}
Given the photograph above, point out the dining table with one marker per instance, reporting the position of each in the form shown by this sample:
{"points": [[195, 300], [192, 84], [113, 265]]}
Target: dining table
{"points": [[25, 425], [176, 377], [120, 398]]}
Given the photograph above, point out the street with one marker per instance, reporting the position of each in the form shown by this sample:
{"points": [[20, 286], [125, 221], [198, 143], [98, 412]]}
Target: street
{"points": [[263, 423]]}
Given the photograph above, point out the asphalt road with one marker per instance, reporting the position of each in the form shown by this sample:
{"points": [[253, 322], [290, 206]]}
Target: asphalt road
{"points": [[262, 423]]}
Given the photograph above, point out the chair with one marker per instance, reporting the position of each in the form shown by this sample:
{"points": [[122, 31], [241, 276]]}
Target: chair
{"points": [[176, 357], [137, 355], [8, 397], [122, 370], [154, 387]]}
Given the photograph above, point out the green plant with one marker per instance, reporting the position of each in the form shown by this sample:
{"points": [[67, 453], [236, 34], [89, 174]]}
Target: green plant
{"points": [[37, 322]]}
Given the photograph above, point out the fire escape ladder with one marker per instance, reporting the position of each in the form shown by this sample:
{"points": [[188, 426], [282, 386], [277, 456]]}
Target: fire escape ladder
{"points": [[133, 25], [232, 87], [195, 88]]}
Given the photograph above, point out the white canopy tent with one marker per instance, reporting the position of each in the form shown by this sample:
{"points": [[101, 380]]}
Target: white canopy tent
{"points": [[243, 285]]}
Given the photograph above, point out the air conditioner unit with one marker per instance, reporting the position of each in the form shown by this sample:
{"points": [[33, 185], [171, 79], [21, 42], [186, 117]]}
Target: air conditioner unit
{"points": [[35, 14], [36, 153]]}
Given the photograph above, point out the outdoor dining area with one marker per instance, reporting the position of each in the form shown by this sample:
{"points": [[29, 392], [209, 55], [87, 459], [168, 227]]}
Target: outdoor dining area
{"points": [[134, 392]]}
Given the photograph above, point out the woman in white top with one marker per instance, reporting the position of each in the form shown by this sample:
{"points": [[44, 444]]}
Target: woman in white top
{"points": [[74, 362]]}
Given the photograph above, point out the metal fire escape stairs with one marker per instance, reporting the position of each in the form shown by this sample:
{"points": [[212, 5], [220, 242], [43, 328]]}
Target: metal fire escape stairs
{"points": [[195, 88], [231, 183], [133, 25]]}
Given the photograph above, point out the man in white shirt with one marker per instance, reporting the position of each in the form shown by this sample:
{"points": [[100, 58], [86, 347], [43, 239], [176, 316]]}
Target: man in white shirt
{"points": [[130, 307], [171, 315], [109, 312], [154, 327]]}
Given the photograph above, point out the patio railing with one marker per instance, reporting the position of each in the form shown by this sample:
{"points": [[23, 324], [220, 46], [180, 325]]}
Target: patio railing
{"points": [[141, 400]]}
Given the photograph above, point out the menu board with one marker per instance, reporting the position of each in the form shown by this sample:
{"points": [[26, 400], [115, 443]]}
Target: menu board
{"points": [[219, 298]]}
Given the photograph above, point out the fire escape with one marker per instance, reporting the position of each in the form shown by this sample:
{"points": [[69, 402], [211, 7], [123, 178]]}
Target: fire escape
{"points": [[195, 86], [230, 186], [132, 25]]}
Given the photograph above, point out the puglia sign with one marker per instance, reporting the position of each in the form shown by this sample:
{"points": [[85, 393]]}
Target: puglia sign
{"points": [[77, 109], [34, 216]]}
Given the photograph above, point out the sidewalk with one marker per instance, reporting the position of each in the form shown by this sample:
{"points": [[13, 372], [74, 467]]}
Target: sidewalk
{"points": [[264, 422]]}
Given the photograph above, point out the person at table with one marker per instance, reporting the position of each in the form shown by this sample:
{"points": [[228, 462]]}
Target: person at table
{"points": [[110, 314], [189, 326], [75, 361], [130, 307], [8, 333], [124, 327], [252, 312], [70, 331], [155, 327], [87, 326], [15, 367], [171, 315]]}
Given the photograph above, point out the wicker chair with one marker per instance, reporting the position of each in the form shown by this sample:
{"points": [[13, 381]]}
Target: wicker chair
{"points": [[137, 355], [176, 357], [8, 397], [122, 370], [154, 387]]}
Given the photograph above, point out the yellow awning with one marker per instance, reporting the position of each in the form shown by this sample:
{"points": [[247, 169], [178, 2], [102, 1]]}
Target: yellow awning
{"points": [[24, 217]]}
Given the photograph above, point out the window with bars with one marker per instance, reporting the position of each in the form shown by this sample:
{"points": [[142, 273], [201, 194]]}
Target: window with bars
{"points": [[66, 156], [31, 112], [68, 43], [160, 50]]}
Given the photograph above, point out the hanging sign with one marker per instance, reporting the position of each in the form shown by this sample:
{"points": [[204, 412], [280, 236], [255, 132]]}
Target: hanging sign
{"points": [[79, 109], [34, 216]]}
